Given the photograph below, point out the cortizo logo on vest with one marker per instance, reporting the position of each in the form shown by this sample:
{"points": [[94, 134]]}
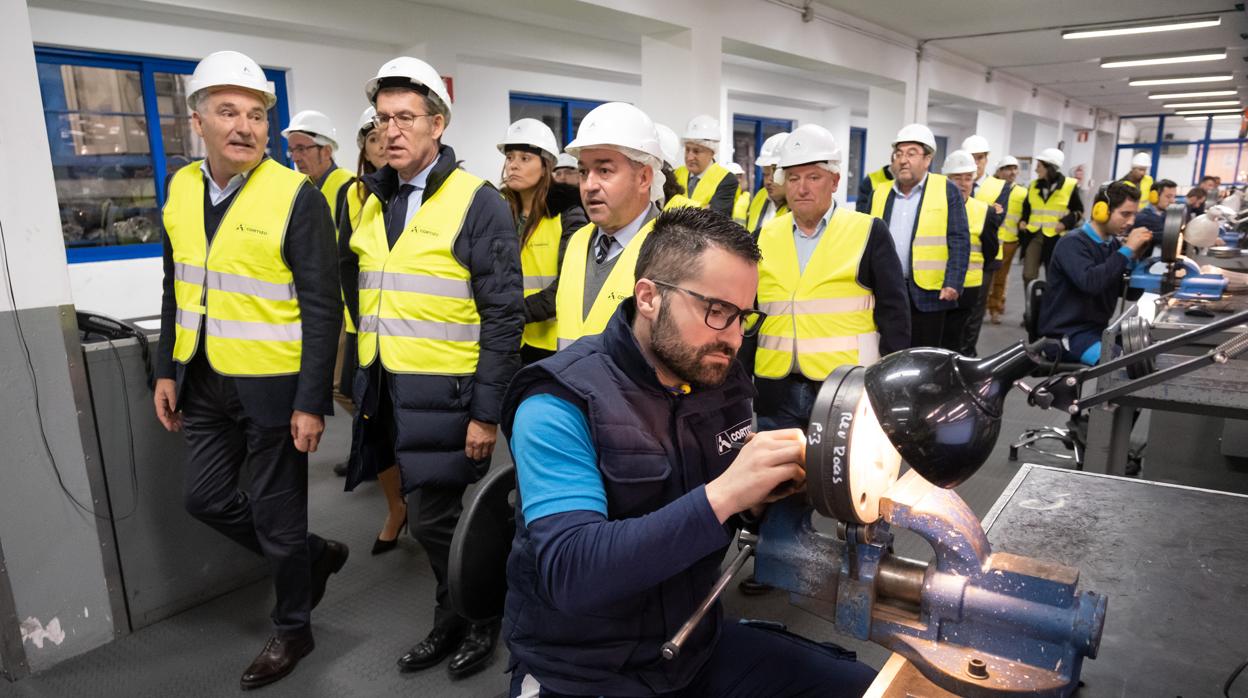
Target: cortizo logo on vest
{"points": [[734, 434], [616, 296], [243, 228]]}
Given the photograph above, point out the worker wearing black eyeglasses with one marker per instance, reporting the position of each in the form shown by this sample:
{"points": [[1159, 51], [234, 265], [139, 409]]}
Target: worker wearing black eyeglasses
{"points": [[632, 464]]}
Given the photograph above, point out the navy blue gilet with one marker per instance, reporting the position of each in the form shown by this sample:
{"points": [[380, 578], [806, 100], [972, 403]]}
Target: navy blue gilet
{"points": [[653, 447]]}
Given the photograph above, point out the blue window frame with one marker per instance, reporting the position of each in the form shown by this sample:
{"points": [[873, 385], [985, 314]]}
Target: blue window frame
{"points": [[855, 170], [117, 127], [1230, 150], [748, 134], [562, 114]]}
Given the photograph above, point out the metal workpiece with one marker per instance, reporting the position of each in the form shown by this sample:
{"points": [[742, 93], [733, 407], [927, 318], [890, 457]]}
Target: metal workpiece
{"points": [[974, 622]]}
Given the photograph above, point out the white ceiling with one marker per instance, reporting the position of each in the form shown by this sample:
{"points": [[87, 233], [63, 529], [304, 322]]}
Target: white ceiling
{"points": [[1023, 38]]}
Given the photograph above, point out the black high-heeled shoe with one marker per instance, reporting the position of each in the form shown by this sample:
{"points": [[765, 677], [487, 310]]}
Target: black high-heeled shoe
{"points": [[384, 546]]}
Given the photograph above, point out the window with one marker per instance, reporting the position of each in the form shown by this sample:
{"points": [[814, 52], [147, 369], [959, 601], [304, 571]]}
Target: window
{"points": [[855, 165], [118, 126], [748, 134], [561, 114], [1184, 149]]}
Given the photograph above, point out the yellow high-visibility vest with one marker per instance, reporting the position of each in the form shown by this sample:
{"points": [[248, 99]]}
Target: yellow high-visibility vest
{"points": [[929, 250], [705, 191], [332, 185], [878, 177], [539, 258], [988, 192], [1008, 231], [1045, 214], [820, 317], [976, 215], [1145, 186], [680, 201], [238, 290], [741, 208], [570, 314], [417, 310], [756, 210], [355, 209]]}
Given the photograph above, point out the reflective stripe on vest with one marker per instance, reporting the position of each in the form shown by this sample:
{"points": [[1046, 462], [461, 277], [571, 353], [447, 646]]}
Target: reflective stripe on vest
{"points": [[1008, 232], [707, 185], [929, 253], [417, 311], [741, 209], [539, 258], [570, 314], [238, 290], [1046, 214], [976, 215], [332, 185], [821, 316]]}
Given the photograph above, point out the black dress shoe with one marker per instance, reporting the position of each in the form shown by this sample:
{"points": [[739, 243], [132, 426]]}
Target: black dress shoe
{"points": [[438, 645], [475, 651], [331, 560], [752, 587], [278, 658], [384, 546]]}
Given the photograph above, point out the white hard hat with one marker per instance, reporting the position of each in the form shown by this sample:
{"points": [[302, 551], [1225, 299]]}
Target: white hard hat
{"points": [[1008, 161], [315, 123], [669, 143], [1142, 160], [228, 69], [916, 133], [565, 160], [627, 129], [411, 73], [959, 162], [734, 168], [976, 143], [1053, 156], [531, 132], [809, 143], [364, 125], [768, 154], [703, 129]]}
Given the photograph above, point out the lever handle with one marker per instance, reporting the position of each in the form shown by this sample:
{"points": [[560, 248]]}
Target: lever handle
{"points": [[671, 648]]}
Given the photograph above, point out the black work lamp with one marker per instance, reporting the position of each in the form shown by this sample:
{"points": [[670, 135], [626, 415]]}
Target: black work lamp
{"points": [[938, 410]]}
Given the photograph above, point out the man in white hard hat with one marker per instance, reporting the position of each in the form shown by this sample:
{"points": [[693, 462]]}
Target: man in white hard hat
{"points": [[565, 171], [674, 195], [927, 220], [621, 166], [1000, 195], [983, 219], [1008, 236], [440, 313], [312, 142], [705, 181], [249, 330], [1053, 206], [1141, 164], [740, 209], [769, 201]]}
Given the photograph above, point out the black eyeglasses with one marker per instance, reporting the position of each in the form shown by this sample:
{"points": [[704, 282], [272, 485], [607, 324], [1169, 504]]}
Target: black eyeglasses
{"points": [[404, 121], [720, 314]]}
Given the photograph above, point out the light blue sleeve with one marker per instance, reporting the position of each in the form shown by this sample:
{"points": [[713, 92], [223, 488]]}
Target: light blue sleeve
{"points": [[556, 463]]}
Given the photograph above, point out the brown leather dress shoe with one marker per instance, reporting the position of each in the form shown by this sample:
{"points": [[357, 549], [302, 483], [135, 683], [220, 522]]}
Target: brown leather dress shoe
{"points": [[278, 658]]}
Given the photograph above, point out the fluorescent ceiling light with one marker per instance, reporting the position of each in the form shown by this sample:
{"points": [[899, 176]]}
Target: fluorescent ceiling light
{"points": [[1209, 54], [1235, 110], [1193, 105], [1142, 28], [1219, 117], [1191, 95], [1179, 79]]}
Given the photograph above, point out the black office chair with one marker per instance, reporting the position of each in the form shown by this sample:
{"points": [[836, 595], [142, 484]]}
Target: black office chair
{"points": [[477, 574], [1069, 436]]}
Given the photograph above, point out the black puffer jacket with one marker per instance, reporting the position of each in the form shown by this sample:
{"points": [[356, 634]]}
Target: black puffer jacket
{"points": [[563, 200], [431, 412]]}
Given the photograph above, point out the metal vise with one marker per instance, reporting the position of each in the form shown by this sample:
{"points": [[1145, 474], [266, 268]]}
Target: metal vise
{"points": [[974, 622]]}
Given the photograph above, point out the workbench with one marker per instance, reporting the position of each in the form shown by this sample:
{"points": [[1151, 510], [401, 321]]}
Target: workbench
{"points": [[1173, 561]]}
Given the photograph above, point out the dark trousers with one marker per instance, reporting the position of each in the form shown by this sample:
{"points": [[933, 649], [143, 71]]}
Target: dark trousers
{"points": [[970, 338], [927, 327], [432, 513], [751, 661], [785, 403], [270, 517], [953, 334]]}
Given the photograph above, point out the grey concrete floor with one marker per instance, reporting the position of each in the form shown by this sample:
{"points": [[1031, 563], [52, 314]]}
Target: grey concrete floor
{"points": [[377, 607]]}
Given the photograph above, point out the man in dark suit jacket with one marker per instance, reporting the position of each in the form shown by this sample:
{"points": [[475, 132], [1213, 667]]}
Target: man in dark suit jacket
{"points": [[249, 329]]}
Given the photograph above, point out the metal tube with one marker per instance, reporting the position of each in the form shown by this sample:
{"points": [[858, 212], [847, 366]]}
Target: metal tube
{"points": [[671, 648], [902, 579]]}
